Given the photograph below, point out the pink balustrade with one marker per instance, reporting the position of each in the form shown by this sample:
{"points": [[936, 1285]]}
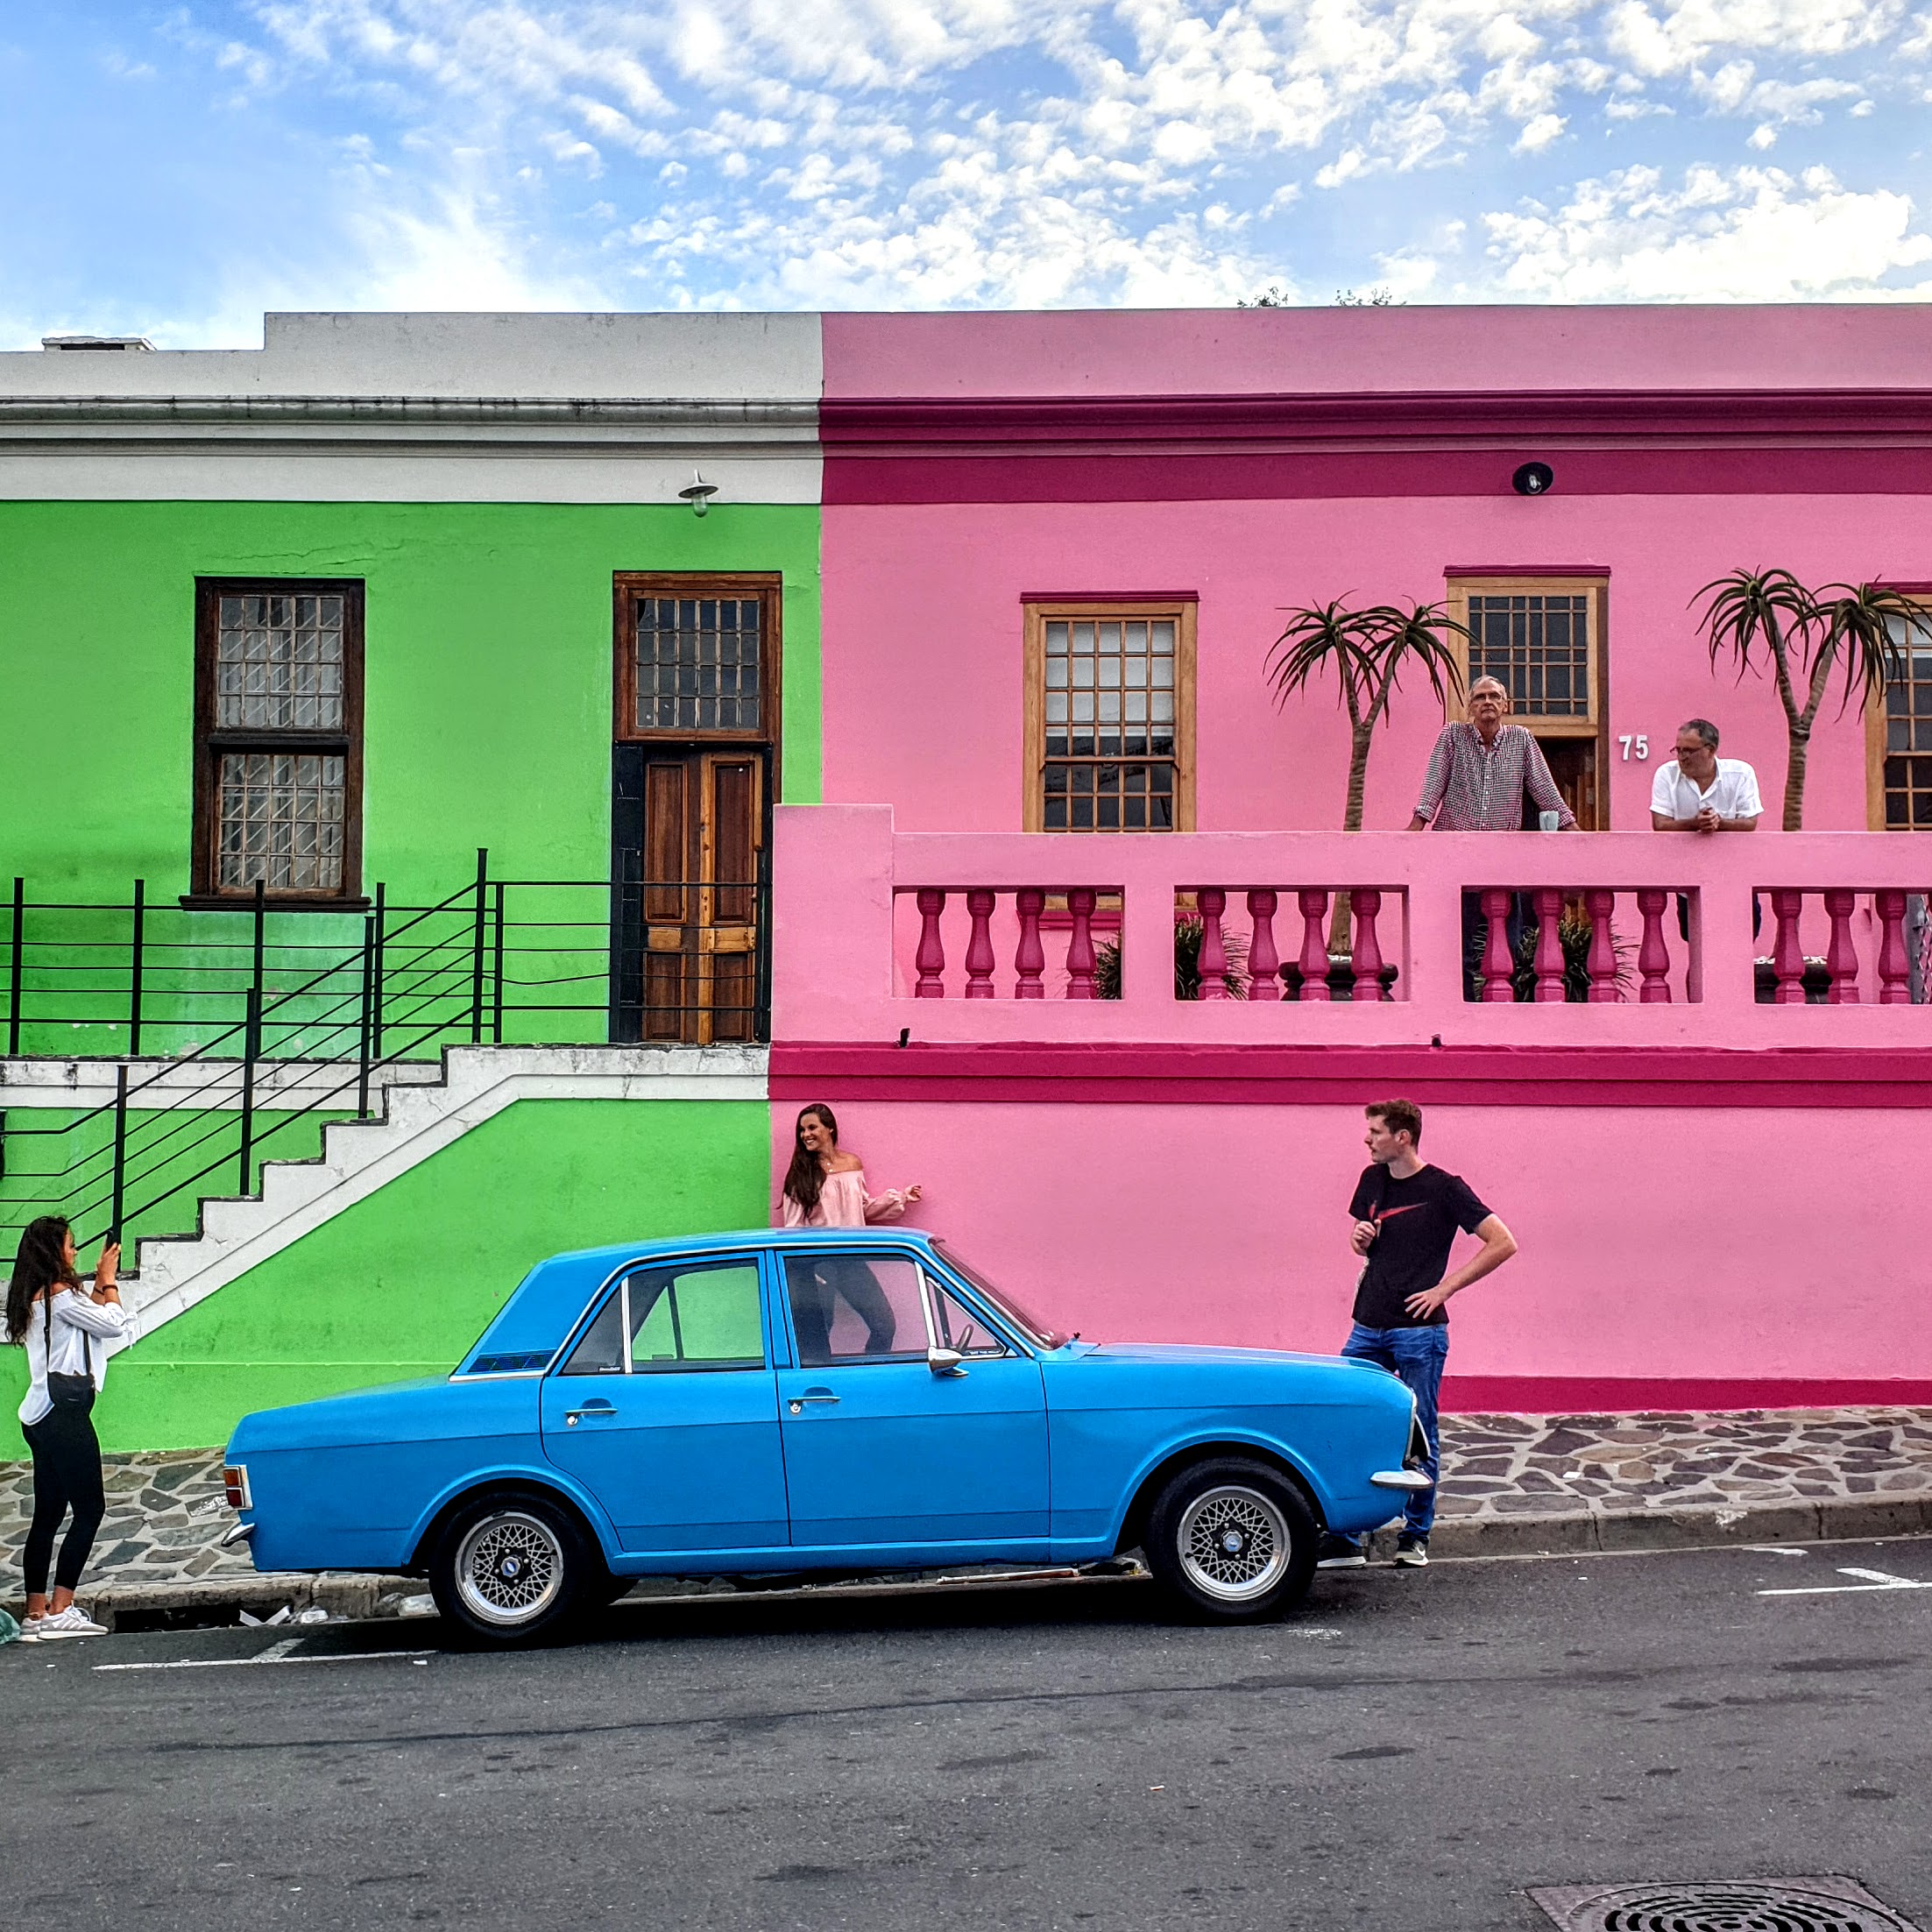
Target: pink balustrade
{"points": [[1377, 938]]}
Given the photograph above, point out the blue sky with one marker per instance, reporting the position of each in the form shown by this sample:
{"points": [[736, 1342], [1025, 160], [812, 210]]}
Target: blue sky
{"points": [[174, 170]]}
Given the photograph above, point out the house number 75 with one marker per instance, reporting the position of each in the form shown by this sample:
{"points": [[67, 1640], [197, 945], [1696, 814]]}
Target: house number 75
{"points": [[1641, 741]]}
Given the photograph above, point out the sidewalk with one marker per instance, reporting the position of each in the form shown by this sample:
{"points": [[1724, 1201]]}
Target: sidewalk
{"points": [[1512, 1485]]}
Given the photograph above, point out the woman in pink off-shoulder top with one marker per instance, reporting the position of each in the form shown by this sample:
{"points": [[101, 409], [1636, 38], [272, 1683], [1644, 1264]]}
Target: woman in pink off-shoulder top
{"points": [[824, 1188]]}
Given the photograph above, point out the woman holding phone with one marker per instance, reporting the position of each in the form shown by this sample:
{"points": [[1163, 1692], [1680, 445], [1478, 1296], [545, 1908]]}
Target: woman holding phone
{"points": [[66, 1329]]}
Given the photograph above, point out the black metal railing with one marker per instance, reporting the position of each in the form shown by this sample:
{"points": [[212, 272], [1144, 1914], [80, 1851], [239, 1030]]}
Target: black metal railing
{"points": [[257, 1026]]}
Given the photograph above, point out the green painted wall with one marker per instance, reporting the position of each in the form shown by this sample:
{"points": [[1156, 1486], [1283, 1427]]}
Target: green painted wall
{"points": [[488, 669], [402, 1284]]}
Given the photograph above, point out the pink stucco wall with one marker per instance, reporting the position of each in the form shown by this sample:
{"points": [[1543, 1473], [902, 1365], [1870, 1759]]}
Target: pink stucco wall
{"points": [[1680, 1245], [923, 631], [1135, 352]]}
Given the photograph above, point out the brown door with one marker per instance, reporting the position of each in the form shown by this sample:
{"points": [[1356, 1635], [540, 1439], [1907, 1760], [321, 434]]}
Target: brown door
{"points": [[1572, 765], [698, 893]]}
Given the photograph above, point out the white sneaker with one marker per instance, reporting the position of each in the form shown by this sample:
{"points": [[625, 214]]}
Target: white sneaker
{"points": [[71, 1622], [31, 1628]]}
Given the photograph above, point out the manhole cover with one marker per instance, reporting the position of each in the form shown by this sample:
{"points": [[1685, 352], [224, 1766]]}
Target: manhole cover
{"points": [[1721, 1905]]}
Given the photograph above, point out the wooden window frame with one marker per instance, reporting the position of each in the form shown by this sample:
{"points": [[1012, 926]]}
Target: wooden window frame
{"points": [[212, 743], [767, 586], [1597, 725], [1183, 612], [1875, 717]]}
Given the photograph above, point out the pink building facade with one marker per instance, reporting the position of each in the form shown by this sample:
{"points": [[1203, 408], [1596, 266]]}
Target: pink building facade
{"points": [[1705, 1158]]}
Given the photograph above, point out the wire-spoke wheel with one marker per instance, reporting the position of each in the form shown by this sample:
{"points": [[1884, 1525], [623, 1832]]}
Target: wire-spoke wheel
{"points": [[510, 1566], [1232, 1539]]}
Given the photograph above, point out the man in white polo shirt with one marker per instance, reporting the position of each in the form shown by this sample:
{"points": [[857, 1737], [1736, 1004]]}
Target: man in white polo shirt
{"points": [[1700, 792]]}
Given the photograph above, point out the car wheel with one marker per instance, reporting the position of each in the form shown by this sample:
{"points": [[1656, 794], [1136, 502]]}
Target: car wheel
{"points": [[1232, 1540], [511, 1569]]}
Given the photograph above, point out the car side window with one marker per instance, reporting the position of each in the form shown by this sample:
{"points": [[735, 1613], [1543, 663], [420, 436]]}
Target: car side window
{"points": [[855, 1308], [701, 1316], [601, 1350], [959, 1328]]}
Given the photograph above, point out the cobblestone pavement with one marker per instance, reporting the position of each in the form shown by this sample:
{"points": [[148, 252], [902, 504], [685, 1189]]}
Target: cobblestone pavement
{"points": [[1510, 1483]]}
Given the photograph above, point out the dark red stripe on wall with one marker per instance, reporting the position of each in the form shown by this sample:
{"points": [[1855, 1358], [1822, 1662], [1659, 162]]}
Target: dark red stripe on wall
{"points": [[1592, 1395], [1208, 448], [1308, 1076]]}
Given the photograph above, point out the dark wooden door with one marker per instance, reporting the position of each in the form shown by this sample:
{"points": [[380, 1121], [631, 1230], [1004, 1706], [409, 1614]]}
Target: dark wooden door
{"points": [[1572, 765], [690, 836]]}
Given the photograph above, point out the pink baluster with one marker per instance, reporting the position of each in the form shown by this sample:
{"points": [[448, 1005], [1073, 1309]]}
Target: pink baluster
{"points": [[1365, 955], [1030, 960], [1602, 962], [1653, 955], [1214, 950], [1263, 962], [1496, 962], [1550, 988], [1313, 962], [1894, 968], [979, 958], [931, 956], [1079, 947], [1788, 958], [1841, 956]]}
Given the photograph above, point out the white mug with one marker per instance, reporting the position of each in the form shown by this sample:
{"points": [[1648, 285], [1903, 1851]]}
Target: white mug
{"points": [[1548, 821]]}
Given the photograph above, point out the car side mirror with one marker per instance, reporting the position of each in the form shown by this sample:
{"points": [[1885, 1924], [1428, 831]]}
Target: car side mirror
{"points": [[944, 1361]]}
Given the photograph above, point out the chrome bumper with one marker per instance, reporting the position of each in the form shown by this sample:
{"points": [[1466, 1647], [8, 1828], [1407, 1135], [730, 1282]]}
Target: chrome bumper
{"points": [[1401, 1479]]}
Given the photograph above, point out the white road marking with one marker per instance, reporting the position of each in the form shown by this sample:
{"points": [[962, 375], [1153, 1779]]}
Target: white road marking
{"points": [[276, 1654], [1873, 1579]]}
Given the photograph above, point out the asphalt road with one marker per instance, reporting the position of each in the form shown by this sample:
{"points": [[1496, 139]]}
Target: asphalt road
{"points": [[1411, 1751]]}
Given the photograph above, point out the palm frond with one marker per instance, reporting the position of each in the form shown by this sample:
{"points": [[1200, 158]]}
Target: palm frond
{"points": [[1419, 634], [1863, 622], [1313, 640], [1748, 606]]}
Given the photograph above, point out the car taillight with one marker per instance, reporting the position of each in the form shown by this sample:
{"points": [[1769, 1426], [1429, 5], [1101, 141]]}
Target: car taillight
{"points": [[235, 1486]]}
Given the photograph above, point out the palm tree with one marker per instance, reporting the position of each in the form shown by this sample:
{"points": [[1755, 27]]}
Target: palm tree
{"points": [[1367, 651], [1806, 633]]}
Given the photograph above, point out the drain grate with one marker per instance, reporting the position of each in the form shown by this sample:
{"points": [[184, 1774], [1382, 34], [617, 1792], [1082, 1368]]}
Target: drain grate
{"points": [[1722, 1905]]}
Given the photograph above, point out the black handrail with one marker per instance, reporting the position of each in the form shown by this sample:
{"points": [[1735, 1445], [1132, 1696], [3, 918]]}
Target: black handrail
{"points": [[535, 961]]}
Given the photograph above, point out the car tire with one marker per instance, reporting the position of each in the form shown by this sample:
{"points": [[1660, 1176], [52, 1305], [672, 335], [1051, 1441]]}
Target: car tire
{"points": [[1232, 1540], [514, 1567]]}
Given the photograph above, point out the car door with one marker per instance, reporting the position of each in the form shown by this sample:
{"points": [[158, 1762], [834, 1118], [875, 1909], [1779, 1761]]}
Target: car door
{"points": [[666, 1408], [881, 1452]]}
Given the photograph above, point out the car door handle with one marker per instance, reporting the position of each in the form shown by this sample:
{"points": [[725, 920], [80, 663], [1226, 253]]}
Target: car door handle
{"points": [[797, 1403], [597, 1407]]}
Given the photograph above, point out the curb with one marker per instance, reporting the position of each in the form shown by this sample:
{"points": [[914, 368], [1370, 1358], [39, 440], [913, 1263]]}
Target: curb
{"points": [[1822, 1519], [350, 1595]]}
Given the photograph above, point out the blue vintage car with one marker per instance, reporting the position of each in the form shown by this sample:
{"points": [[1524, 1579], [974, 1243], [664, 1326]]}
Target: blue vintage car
{"points": [[786, 1403]]}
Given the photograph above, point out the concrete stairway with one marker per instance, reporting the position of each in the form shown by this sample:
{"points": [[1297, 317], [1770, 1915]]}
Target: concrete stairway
{"points": [[421, 1114]]}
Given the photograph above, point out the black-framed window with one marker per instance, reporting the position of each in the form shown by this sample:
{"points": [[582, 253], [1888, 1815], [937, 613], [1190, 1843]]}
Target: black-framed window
{"points": [[278, 739]]}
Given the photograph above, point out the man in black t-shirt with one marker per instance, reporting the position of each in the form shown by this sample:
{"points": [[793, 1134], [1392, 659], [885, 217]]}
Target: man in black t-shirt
{"points": [[1406, 1214]]}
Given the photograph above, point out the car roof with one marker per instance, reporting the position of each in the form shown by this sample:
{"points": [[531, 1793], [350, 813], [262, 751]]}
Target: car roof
{"points": [[545, 1305]]}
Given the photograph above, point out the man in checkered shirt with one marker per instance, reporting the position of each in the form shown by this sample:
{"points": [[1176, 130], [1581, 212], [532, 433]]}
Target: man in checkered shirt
{"points": [[1479, 771]]}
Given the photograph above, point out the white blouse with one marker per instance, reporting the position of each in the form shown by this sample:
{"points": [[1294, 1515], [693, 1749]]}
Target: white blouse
{"points": [[84, 1332]]}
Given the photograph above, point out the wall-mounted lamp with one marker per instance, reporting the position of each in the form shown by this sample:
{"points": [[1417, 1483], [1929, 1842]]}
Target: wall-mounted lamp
{"points": [[698, 493], [1533, 479]]}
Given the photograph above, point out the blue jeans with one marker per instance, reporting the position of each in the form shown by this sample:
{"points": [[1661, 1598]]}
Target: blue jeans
{"points": [[1416, 1354]]}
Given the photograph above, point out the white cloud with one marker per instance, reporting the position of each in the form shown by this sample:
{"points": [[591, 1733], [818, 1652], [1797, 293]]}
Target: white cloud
{"points": [[1743, 234]]}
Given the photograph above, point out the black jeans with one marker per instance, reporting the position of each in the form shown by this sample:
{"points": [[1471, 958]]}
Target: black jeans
{"points": [[66, 1474]]}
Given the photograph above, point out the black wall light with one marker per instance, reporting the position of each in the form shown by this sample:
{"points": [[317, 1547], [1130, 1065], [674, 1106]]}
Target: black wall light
{"points": [[1533, 479]]}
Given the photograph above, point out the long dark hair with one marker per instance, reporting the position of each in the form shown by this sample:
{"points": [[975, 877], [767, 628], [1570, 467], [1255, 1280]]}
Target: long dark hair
{"points": [[805, 1178], [40, 1264]]}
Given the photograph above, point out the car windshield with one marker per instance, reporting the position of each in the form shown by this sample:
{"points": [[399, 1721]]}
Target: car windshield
{"points": [[1035, 1331]]}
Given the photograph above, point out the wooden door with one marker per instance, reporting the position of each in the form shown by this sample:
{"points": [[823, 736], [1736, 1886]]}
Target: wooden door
{"points": [[691, 906], [1572, 765]]}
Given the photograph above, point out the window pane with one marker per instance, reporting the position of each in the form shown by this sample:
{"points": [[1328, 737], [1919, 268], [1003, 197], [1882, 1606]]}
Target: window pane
{"points": [[960, 1328], [1118, 704], [1538, 646], [855, 1308], [601, 1351], [1908, 781], [279, 819], [278, 663], [697, 664], [696, 1318]]}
